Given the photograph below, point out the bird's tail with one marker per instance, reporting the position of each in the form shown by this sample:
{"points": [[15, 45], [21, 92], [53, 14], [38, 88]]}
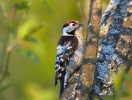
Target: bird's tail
{"points": [[61, 86], [62, 83]]}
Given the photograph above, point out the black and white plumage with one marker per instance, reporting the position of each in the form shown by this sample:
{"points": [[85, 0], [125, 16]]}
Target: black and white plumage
{"points": [[69, 53]]}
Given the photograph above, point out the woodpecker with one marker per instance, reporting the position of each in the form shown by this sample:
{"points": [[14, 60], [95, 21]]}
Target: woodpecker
{"points": [[69, 53]]}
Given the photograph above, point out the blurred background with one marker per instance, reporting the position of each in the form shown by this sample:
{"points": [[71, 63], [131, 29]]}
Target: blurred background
{"points": [[30, 30]]}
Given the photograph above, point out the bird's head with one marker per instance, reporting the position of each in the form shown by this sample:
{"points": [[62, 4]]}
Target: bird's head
{"points": [[72, 28]]}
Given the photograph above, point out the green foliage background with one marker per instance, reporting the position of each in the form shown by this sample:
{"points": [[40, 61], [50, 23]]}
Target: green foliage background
{"points": [[33, 35]]}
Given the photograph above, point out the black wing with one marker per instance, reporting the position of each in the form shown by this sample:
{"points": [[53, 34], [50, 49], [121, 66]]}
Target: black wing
{"points": [[67, 45]]}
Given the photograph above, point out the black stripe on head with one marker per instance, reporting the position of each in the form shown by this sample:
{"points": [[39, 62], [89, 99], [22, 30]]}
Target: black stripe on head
{"points": [[72, 32]]}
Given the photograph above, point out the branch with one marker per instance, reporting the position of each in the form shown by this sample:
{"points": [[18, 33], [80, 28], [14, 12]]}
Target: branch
{"points": [[10, 16]]}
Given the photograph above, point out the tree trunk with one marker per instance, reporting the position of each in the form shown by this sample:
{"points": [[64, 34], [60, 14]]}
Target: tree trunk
{"points": [[87, 70], [114, 45], [78, 88]]}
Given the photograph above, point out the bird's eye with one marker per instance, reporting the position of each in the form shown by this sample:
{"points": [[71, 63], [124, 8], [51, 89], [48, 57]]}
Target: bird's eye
{"points": [[73, 24]]}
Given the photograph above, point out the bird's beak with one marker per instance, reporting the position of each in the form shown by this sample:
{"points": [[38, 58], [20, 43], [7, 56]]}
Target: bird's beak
{"points": [[82, 23]]}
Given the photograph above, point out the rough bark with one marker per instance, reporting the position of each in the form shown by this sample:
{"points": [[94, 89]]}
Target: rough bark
{"points": [[114, 45], [79, 87], [85, 80]]}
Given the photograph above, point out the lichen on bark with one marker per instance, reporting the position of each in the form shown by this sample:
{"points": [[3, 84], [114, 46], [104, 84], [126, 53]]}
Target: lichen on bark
{"points": [[114, 45]]}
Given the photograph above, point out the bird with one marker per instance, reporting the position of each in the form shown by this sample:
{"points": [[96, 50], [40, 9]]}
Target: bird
{"points": [[69, 53]]}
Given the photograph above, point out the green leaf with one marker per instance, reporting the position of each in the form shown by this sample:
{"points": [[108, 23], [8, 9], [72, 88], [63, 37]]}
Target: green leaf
{"points": [[118, 78], [22, 5], [36, 28], [31, 38], [25, 28], [28, 28], [30, 55]]}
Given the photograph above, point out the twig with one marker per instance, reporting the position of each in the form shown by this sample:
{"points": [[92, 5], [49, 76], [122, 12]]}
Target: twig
{"points": [[10, 16], [24, 14], [6, 66], [5, 40]]}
